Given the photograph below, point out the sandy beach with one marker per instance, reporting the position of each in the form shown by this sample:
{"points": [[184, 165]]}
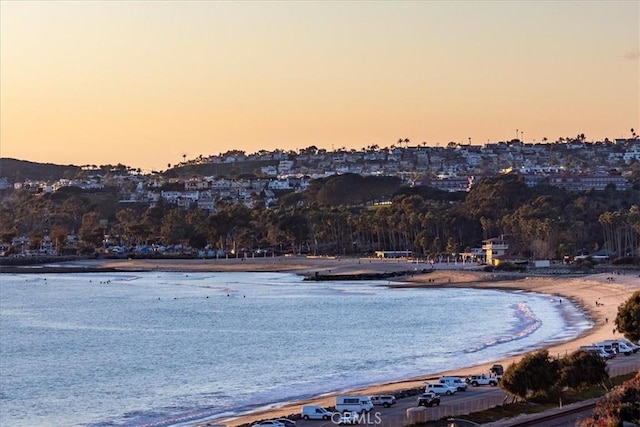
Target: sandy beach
{"points": [[599, 295]]}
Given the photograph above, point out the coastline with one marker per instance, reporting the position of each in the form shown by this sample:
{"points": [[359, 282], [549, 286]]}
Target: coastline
{"points": [[580, 290], [597, 295]]}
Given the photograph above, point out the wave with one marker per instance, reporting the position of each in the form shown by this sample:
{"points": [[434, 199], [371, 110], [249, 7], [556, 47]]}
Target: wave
{"points": [[527, 323]]}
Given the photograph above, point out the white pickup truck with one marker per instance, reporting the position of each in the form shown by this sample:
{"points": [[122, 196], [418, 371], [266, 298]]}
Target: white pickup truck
{"points": [[483, 379]]}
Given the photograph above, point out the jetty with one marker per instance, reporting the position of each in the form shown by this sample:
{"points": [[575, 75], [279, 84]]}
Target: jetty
{"points": [[318, 277]]}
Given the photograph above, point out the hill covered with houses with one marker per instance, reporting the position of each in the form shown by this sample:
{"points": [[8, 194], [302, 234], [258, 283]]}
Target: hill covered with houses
{"points": [[423, 199]]}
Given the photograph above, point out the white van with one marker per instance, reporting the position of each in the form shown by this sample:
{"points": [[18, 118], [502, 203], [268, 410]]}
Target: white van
{"points": [[313, 412], [454, 382], [620, 346], [632, 346], [357, 404]]}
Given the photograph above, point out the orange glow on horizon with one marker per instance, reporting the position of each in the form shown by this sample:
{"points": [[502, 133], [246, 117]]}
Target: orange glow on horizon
{"points": [[142, 83]]}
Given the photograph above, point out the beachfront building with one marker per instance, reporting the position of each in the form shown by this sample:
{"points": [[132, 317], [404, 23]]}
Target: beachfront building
{"points": [[473, 255], [493, 248], [393, 254]]}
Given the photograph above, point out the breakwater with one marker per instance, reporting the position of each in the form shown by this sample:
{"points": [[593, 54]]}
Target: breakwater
{"points": [[364, 276]]}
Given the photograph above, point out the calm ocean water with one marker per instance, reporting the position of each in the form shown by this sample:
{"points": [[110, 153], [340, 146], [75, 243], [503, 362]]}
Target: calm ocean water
{"points": [[159, 349]]}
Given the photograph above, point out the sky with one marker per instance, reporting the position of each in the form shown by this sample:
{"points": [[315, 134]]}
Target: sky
{"points": [[150, 83]]}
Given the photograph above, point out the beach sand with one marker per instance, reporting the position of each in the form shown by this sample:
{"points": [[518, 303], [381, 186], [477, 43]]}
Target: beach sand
{"points": [[599, 295]]}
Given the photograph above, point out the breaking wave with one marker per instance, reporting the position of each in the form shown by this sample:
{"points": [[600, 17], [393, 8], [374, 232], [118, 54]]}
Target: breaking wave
{"points": [[526, 324]]}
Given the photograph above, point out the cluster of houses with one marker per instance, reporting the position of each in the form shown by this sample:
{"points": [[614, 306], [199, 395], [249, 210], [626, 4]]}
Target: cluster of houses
{"points": [[575, 165]]}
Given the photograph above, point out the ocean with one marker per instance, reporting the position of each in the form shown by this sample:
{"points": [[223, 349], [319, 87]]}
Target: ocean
{"points": [[162, 349]]}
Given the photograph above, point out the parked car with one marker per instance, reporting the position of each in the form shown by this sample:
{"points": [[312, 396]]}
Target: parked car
{"points": [[596, 350], [268, 423], [286, 422], [621, 347], [440, 389], [482, 379], [608, 347], [631, 345], [384, 400], [349, 418], [314, 412], [497, 370], [429, 399], [454, 382], [357, 404]]}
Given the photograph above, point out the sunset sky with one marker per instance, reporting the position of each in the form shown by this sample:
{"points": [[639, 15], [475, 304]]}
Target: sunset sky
{"points": [[144, 83]]}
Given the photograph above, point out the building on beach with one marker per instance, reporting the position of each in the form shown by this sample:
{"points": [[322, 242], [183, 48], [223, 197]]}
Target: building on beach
{"points": [[493, 248]]}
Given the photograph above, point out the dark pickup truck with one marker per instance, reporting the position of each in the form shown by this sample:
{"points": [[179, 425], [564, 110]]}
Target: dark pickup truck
{"points": [[429, 399]]}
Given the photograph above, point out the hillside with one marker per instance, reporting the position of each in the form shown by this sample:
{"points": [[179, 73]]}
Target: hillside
{"points": [[20, 170], [227, 170]]}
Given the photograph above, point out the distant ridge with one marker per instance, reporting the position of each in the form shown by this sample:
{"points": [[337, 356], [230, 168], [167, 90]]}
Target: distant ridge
{"points": [[20, 170]]}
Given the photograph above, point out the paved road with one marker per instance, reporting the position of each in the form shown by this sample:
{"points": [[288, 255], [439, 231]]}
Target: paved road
{"points": [[570, 420], [464, 401]]}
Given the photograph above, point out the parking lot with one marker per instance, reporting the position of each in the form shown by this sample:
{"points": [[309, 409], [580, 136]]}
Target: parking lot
{"points": [[464, 402]]}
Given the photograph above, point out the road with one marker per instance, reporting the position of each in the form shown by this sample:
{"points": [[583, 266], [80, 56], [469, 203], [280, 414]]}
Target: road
{"points": [[463, 402]]}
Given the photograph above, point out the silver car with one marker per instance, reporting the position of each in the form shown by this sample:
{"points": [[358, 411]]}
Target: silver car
{"points": [[385, 400]]}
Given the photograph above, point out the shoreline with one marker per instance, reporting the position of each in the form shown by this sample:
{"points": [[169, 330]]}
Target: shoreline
{"points": [[403, 386], [596, 295], [609, 295]]}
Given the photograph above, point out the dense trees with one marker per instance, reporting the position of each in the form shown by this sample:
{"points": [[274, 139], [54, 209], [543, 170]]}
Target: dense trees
{"points": [[352, 189], [622, 229], [628, 318], [91, 231], [537, 375], [582, 369], [338, 215]]}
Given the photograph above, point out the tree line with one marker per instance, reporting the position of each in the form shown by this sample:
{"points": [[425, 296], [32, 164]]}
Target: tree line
{"points": [[344, 215]]}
